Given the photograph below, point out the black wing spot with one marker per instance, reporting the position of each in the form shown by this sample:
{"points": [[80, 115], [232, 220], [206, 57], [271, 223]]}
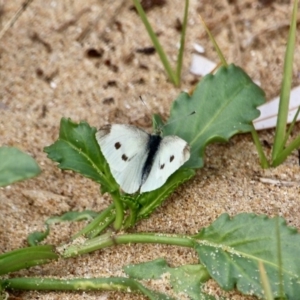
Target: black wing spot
{"points": [[117, 145], [172, 158], [124, 157], [162, 166]]}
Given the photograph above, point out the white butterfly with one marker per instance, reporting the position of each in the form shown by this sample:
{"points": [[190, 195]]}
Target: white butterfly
{"points": [[138, 160]]}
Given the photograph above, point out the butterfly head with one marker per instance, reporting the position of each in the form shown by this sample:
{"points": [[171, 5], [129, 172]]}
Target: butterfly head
{"points": [[158, 125]]}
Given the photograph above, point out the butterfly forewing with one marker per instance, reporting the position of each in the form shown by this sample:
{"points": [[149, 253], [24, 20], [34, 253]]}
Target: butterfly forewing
{"points": [[172, 153], [125, 149]]}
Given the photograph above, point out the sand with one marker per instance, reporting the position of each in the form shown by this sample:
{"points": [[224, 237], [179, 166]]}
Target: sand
{"points": [[47, 73]]}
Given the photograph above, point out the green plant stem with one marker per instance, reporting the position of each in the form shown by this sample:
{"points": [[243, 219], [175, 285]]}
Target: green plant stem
{"points": [[265, 282], [84, 284], [119, 210], [182, 41], [262, 157], [38, 255], [102, 226], [25, 258], [286, 152], [156, 43], [131, 218], [98, 224], [212, 39], [285, 87], [279, 256], [108, 240], [291, 127]]}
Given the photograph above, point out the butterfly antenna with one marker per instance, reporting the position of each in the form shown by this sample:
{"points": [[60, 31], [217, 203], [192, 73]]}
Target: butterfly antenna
{"points": [[158, 127], [144, 103], [191, 113], [155, 124]]}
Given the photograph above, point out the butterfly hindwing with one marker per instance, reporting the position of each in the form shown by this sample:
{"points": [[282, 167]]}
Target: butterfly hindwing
{"points": [[125, 149], [172, 153]]}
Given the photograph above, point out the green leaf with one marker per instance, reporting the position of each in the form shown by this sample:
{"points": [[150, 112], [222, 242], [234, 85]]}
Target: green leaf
{"points": [[158, 123], [151, 200], [16, 165], [36, 237], [25, 258], [225, 104], [77, 150], [231, 250], [186, 279]]}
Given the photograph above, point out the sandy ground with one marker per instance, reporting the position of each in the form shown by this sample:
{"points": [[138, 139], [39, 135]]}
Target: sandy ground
{"points": [[46, 74]]}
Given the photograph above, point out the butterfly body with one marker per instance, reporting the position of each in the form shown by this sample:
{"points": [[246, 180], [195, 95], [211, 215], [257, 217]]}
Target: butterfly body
{"points": [[138, 160], [153, 145]]}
